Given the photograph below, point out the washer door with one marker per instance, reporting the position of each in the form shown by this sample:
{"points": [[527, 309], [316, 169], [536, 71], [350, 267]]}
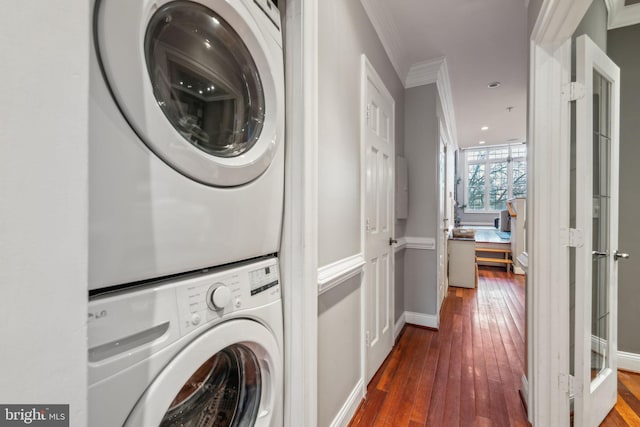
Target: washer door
{"points": [[197, 81], [229, 376]]}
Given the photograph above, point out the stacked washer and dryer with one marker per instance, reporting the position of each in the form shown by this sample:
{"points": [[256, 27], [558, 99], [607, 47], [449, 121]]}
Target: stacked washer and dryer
{"points": [[186, 192]]}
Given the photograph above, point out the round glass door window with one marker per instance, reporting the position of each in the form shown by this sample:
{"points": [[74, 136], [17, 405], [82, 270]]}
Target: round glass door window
{"points": [[224, 391], [204, 79]]}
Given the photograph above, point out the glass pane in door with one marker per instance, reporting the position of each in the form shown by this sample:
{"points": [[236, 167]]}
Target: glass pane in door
{"points": [[600, 314]]}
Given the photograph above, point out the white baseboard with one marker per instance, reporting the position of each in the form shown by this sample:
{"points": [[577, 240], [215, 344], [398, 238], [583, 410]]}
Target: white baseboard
{"points": [[350, 407], [629, 361], [421, 319], [398, 326]]}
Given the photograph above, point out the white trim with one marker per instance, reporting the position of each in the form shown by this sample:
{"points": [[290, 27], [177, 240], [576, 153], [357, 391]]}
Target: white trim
{"points": [[389, 35], [338, 272], [621, 15], [524, 390], [446, 100], [629, 361], [423, 73], [402, 244], [422, 243], [397, 328], [557, 21], [523, 259], [350, 407], [299, 251], [421, 319], [548, 213]]}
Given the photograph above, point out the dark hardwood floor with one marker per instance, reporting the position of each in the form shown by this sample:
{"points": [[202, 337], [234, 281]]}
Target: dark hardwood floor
{"points": [[466, 374]]}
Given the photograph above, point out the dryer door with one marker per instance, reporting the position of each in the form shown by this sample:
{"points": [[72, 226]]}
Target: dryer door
{"points": [[229, 376], [199, 82]]}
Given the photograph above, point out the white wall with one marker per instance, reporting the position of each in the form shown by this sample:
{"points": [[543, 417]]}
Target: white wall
{"points": [[43, 199], [421, 149]]}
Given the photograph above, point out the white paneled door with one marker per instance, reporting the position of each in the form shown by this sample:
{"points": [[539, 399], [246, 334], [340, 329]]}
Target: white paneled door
{"points": [[378, 163], [596, 273]]}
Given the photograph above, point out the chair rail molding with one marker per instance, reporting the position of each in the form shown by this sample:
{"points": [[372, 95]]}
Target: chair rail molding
{"points": [[332, 275], [422, 243], [402, 244]]}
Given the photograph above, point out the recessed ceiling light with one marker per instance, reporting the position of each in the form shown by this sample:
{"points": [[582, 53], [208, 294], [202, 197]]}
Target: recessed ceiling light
{"points": [[484, 128], [493, 85], [481, 142]]}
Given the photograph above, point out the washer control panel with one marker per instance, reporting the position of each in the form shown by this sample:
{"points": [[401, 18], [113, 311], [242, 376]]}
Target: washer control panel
{"points": [[213, 296]]}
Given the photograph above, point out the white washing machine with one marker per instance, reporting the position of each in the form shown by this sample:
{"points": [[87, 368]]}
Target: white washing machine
{"points": [[186, 136], [205, 350]]}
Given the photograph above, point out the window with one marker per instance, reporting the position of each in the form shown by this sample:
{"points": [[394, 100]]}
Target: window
{"points": [[493, 176]]}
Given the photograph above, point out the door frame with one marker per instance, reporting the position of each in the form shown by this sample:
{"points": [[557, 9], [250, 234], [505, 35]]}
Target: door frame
{"points": [[443, 197], [548, 383], [299, 246], [368, 72]]}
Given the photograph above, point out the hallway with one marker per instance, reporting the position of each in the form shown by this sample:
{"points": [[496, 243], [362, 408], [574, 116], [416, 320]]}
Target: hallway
{"points": [[468, 373]]}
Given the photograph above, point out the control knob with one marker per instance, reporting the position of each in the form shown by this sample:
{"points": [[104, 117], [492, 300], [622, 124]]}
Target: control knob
{"points": [[220, 297]]}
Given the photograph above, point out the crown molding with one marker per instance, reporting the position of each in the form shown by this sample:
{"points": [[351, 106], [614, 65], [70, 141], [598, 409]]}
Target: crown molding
{"points": [[418, 74], [443, 84], [424, 73], [621, 15], [436, 71], [389, 35]]}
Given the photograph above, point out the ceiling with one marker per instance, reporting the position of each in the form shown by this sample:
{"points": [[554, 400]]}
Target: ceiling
{"points": [[481, 41]]}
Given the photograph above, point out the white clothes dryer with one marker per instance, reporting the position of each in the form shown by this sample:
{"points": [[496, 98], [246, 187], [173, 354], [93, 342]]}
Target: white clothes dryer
{"points": [[186, 136], [204, 350]]}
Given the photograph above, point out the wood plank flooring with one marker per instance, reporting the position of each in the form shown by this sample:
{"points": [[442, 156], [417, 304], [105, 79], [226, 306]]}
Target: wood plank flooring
{"points": [[627, 409], [467, 373]]}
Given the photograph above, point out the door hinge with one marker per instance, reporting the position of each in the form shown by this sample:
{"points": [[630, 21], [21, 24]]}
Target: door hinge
{"points": [[367, 338], [572, 237], [573, 91], [567, 384]]}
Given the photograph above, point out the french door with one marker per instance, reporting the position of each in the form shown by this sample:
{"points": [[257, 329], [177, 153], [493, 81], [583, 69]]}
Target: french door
{"points": [[596, 219]]}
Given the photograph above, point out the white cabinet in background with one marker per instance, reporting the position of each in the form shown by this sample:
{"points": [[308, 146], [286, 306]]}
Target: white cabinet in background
{"points": [[462, 263]]}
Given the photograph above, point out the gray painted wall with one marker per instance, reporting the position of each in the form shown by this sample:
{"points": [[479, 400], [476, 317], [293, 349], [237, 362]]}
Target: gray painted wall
{"points": [[594, 24], [623, 50], [344, 33], [421, 149], [534, 10], [338, 348], [399, 281]]}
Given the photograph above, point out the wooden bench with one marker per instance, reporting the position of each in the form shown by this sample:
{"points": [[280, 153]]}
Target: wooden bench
{"points": [[506, 260]]}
